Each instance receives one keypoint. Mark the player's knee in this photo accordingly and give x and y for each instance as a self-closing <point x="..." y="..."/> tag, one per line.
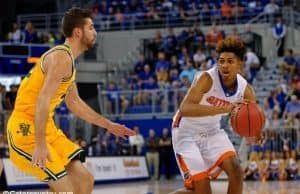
<point x="235" y="171"/>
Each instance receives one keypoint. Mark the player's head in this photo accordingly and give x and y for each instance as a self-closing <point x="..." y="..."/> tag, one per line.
<point x="77" y="24"/>
<point x="231" y="56"/>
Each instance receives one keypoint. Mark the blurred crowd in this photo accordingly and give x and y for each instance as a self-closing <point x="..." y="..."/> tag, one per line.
<point x="170" y="64"/>
<point x="278" y="157"/>
<point x="30" y="35"/>
<point x="180" y="11"/>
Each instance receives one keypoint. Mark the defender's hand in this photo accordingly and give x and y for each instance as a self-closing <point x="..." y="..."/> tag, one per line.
<point x="120" y="130"/>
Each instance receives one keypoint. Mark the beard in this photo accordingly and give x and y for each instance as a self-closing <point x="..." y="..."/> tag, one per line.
<point x="88" y="43"/>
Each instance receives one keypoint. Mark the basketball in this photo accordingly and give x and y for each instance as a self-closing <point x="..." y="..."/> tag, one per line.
<point x="247" y="119"/>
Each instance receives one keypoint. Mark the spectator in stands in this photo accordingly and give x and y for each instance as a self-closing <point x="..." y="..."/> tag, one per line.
<point x="273" y="102"/>
<point x="267" y="111"/>
<point x="292" y="167"/>
<point x="106" y="144"/>
<point x="271" y="8"/>
<point x="252" y="61"/>
<point x="136" y="142"/>
<point x="162" y="68"/>
<point x="173" y="75"/>
<point x="182" y="38"/>
<point x="292" y="106"/>
<point x="182" y="15"/>
<point x="234" y="34"/>
<point x="152" y="15"/>
<point x="288" y="64"/>
<point x="282" y="166"/>
<point x="174" y="63"/>
<point x="150" y="93"/>
<point x="185" y="82"/>
<point x="124" y="85"/>
<point x="274" y="167"/>
<point x="199" y="58"/>
<point x="259" y="7"/>
<point x="193" y="14"/>
<point x="199" y="38"/>
<point x="279" y="32"/>
<point x="138" y="88"/>
<point x="215" y="15"/>
<point x="15" y="34"/>
<point x="140" y="16"/>
<point x="139" y="65"/>
<point x="144" y="75"/>
<point x="264" y="164"/>
<point x="252" y="170"/>
<point x="281" y="97"/>
<point x="291" y="122"/>
<point x="115" y="99"/>
<point x="170" y="43"/>
<point x="205" y="13"/>
<point x="94" y="149"/>
<point x="251" y="4"/>
<point x="248" y="37"/>
<point x="275" y="121"/>
<point x="189" y="71"/>
<point x="174" y="69"/>
<point x="120" y="147"/>
<point x="212" y="38"/>
<point x="29" y="34"/>
<point x="155" y="44"/>
<point x="296" y="90"/>
<point x="237" y="10"/>
<point x="166" y="153"/>
<point x="226" y="11"/>
<point x="120" y="18"/>
<point x="167" y="5"/>
<point x="183" y="56"/>
<point x="283" y="85"/>
<point x="152" y="154"/>
<point x="11" y="96"/>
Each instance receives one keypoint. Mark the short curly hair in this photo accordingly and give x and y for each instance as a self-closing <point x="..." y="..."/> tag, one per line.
<point x="235" y="46"/>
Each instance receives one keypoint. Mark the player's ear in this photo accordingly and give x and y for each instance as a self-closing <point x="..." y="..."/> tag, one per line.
<point x="77" y="32"/>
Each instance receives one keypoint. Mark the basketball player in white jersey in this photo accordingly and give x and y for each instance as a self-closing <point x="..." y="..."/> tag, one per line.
<point x="202" y="149"/>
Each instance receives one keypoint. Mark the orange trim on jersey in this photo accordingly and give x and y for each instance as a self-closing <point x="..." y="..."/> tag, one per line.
<point x="176" y="120"/>
<point x="219" y="161"/>
<point x="188" y="178"/>
<point x="182" y="164"/>
<point x="216" y="174"/>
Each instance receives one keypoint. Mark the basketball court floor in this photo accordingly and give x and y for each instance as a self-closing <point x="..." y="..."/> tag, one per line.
<point x="218" y="187"/>
<point x="165" y="187"/>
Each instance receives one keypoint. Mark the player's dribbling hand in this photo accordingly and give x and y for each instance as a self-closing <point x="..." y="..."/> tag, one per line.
<point x="39" y="156"/>
<point x="120" y="130"/>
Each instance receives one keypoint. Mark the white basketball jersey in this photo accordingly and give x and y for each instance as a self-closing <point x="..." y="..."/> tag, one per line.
<point x="216" y="96"/>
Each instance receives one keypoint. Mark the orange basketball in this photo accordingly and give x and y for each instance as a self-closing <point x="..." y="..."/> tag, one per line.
<point x="247" y="119"/>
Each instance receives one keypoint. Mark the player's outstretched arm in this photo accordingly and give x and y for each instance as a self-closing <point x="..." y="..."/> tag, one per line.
<point x="190" y="106"/>
<point x="83" y="111"/>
